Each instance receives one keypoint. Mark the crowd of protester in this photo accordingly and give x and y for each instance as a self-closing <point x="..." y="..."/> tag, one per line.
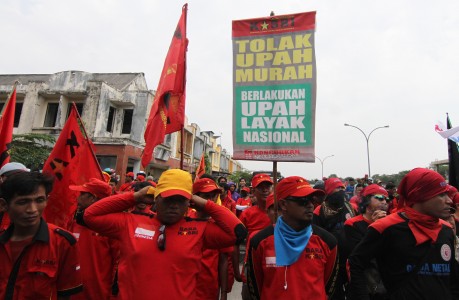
<point x="185" y="238"/>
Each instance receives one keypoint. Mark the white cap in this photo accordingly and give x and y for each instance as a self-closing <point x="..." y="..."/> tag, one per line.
<point x="13" y="166"/>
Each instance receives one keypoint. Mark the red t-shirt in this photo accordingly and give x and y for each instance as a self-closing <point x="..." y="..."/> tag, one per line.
<point x="98" y="259"/>
<point x="254" y="219"/>
<point x="244" y="202"/>
<point x="49" y="266"/>
<point x="144" y="270"/>
<point x="125" y="187"/>
<point x="310" y="277"/>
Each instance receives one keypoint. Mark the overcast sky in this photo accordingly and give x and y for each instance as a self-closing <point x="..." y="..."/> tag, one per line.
<point x="378" y="63"/>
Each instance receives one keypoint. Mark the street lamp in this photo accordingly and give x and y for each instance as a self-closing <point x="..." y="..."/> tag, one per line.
<point x="367" y="138"/>
<point x="322" y="162"/>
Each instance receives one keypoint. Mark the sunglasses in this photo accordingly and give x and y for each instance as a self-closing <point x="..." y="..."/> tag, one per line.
<point x="300" y="201"/>
<point x="162" y="238"/>
<point x="380" y="197"/>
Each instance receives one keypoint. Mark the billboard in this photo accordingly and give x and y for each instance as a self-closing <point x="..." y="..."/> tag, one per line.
<point x="274" y="88"/>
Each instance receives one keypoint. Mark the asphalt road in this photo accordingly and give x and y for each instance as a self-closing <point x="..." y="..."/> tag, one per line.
<point x="235" y="291"/>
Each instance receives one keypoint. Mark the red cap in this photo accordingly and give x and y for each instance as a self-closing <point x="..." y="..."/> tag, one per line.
<point x="140" y="178"/>
<point x="270" y="200"/>
<point x="374" y="189"/>
<point x="246" y="189"/>
<point x="331" y="184"/>
<point x="130" y="174"/>
<point x="259" y="178"/>
<point x="152" y="182"/>
<point x="95" y="186"/>
<point x="204" y="185"/>
<point x="295" y="186"/>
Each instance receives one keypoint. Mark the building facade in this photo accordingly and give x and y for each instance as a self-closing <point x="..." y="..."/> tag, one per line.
<point x="114" y="108"/>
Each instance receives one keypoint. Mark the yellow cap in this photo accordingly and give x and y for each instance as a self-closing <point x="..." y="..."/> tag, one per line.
<point x="174" y="182"/>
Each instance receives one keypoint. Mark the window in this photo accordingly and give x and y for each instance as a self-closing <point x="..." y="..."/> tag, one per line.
<point x="107" y="161"/>
<point x="51" y="115"/>
<point x="111" y="117"/>
<point x="17" y="112"/>
<point x="127" y="121"/>
<point x="187" y="141"/>
<point x="79" y="107"/>
<point x="167" y="140"/>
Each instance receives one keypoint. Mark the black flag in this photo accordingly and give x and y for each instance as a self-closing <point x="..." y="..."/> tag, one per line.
<point x="453" y="156"/>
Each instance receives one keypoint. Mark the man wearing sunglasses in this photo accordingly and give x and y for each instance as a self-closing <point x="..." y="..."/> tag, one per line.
<point x="163" y="253"/>
<point x="373" y="206"/>
<point x="413" y="247"/>
<point x="292" y="259"/>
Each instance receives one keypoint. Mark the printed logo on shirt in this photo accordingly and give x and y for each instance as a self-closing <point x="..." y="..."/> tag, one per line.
<point x="430" y="269"/>
<point x="44" y="262"/>
<point x="270" y="261"/>
<point x="314" y="253"/>
<point x="445" y="252"/>
<point x="144" y="233"/>
<point x="188" y="230"/>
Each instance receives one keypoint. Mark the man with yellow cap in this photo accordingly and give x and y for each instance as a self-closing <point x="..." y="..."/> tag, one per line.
<point x="163" y="253"/>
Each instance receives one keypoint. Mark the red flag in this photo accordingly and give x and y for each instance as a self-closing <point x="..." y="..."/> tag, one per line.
<point x="167" y="113"/>
<point x="6" y="128"/>
<point x="201" y="169"/>
<point x="72" y="162"/>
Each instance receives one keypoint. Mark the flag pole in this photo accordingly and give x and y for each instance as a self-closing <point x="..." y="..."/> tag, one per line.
<point x="182" y="131"/>
<point x="86" y="137"/>
<point x="8" y="98"/>
<point x="274" y="189"/>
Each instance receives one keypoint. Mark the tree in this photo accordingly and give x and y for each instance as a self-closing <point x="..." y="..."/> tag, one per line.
<point x="207" y="162"/>
<point x="240" y="174"/>
<point x="32" y="149"/>
<point x="395" y="178"/>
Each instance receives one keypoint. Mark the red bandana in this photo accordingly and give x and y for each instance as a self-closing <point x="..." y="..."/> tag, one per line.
<point x="423" y="227"/>
<point x="420" y="185"/>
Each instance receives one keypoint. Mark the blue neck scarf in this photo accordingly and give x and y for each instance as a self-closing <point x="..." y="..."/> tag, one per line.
<point x="289" y="243"/>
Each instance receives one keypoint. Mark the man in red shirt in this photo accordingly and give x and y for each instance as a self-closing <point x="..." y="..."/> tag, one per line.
<point x="161" y="256"/>
<point x="142" y="208"/>
<point x="293" y="259"/>
<point x="244" y="201"/>
<point x="214" y="261"/>
<point x="254" y="218"/>
<point x="128" y="181"/>
<point x="37" y="260"/>
<point x="98" y="254"/>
